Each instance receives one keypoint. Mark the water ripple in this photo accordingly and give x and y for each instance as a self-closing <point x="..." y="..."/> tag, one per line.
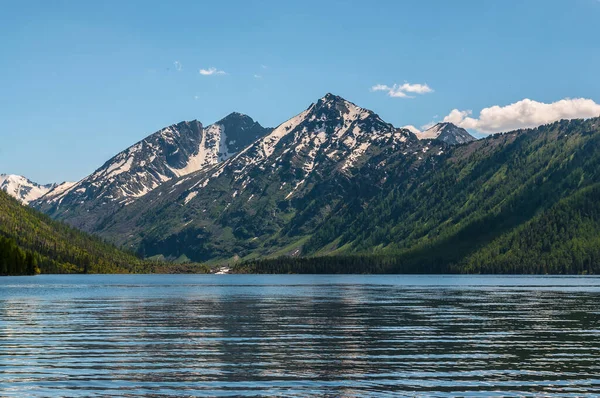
<point x="299" y="336"/>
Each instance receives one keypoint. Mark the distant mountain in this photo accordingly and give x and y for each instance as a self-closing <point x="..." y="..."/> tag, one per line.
<point x="272" y="194"/>
<point x="172" y="152"/>
<point x="446" y="132"/>
<point x="23" y="189"/>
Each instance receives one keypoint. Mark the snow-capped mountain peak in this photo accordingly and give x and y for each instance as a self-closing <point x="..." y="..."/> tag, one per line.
<point x="331" y="118"/>
<point x="174" y="151"/>
<point x="332" y="133"/>
<point x="23" y="189"/>
<point x="446" y="132"/>
<point x="333" y="106"/>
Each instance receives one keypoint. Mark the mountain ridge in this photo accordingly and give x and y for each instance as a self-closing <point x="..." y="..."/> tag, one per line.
<point x="336" y="180"/>
<point x="446" y="132"/>
<point x="174" y="151"/>
<point x="325" y="145"/>
<point x="23" y="189"/>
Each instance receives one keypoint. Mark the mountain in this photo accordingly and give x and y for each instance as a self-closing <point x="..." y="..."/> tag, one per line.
<point x="446" y="132"/>
<point x="31" y="242"/>
<point x="273" y="194"/>
<point x="23" y="189"/>
<point x="337" y="189"/>
<point x="521" y="202"/>
<point x="172" y="152"/>
<point x="55" y="190"/>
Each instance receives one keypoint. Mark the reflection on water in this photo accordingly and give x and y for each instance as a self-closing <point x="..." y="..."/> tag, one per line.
<point x="299" y="335"/>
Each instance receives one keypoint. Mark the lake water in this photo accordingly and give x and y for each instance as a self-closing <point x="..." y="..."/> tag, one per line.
<point x="299" y="335"/>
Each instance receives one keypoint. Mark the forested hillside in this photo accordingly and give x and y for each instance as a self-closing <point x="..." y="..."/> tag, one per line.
<point x="31" y="243"/>
<point x="521" y="202"/>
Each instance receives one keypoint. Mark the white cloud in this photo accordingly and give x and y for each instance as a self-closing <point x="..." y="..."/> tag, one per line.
<point x="524" y="114"/>
<point x="258" y="76"/>
<point x="396" y="93"/>
<point x="456" y="116"/>
<point x="400" y="91"/>
<point x="380" y="87"/>
<point x="178" y="66"/>
<point x="211" y="71"/>
<point x="415" y="88"/>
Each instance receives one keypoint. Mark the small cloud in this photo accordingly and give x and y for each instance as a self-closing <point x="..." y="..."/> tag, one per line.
<point x="258" y="76"/>
<point x="265" y="66"/>
<point x="211" y="71"/>
<point x="395" y="93"/>
<point x="400" y="91"/>
<point x="380" y="87"/>
<point x="526" y="113"/>
<point x="196" y="97"/>
<point x="178" y="66"/>
<point x="415" y="88"/>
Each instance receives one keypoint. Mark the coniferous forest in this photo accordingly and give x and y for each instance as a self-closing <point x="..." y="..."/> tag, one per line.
<point x="31" y="242"/>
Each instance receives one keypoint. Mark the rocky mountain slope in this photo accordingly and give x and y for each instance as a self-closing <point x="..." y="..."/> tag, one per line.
<point x="271" y="195"/>
<point x="172" y="152"/>
<point x="23" y="189"/>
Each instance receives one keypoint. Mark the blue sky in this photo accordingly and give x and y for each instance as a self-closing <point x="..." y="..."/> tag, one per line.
<point x="80" y="81"/>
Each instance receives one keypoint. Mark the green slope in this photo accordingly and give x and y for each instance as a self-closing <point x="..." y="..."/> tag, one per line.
<point x="564" y="239"/>
<point x="31" y="242"/>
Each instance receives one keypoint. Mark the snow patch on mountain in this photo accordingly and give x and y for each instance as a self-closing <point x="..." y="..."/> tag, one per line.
<point x="332" y="131"/>
<point x="59" y="190"/>
<point x="23" y="189"/>
<point x="172" y="152"/>
<point x="268" y="143"/>
<point x="190" y="196"/>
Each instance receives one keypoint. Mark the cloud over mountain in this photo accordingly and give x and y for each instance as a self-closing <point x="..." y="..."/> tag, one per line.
<point x="523" y="114"/>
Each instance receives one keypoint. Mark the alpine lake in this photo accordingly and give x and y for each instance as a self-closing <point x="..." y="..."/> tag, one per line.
<point x="299" y="335"/>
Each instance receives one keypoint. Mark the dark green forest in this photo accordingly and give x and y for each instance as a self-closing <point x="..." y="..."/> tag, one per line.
<point x="31" y="242"/>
